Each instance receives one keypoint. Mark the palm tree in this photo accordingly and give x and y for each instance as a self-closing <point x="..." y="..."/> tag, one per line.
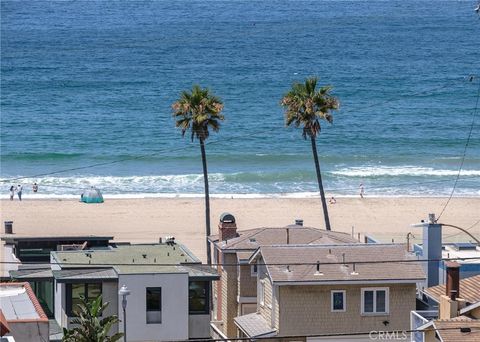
<point x="199" y="111"/>
<point x="91" y="327"/>
<point x="305" y="107"/>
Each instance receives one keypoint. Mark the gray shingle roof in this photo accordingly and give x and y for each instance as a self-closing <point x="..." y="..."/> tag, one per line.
<point x="331" y="259"/>
<point x="254" y="325"/>
<point x="85" y="274"/>
<point x="253" y="238"/>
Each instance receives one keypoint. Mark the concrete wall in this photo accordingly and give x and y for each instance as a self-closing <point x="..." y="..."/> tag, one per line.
<point x="305" y="310"/>
<point x="198" y="326"/>
<point x="29" y="331"/>
<point x="175" y="318"/>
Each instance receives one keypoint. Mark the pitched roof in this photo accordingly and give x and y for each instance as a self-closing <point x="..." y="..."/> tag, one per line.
<point x="469" y="290"/>
<point x="449" y="329"/>
<point x="254" y="325"/>
<point x="69" y="275"/>
<point x="253" y="238"/>
<point x="18" y="303"/>
<point x="297" y="263"/>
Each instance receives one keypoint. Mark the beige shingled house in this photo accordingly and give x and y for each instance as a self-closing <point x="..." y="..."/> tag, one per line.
<point x="331" y="289"/>
<point x="235" y="294"/>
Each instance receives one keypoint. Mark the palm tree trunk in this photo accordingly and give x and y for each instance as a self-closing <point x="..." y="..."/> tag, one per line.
<point x="207" y="200"/>
<point x="320" y="184"/>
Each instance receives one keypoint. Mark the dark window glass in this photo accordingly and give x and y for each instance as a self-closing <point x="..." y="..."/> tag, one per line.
<point x="154" y="305"/>
<point x="75" y="293"/>
<point x="380" y="301"/>
<point x="368" y="301"/>
<point x="198" y="297"/>
<point x="338" y="301"/>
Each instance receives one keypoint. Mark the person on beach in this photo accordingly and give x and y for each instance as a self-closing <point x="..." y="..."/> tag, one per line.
<point x="332" y="200"/>
<point x="362" y="190"/>
<point x="35" y="187"/>
<point x="12" y="192"/>
<point x="19" y="191"/>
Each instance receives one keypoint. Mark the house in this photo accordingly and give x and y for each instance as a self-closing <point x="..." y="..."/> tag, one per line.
<point x="169" y="288"/>
<point x="458" y="311"/>
<point x="313" y="290"/>
<point x="22" y="317"/>
<point x="236" y="292"/>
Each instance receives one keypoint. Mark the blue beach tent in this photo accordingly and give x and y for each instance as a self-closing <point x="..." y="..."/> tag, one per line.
<point x="92" y="195"/>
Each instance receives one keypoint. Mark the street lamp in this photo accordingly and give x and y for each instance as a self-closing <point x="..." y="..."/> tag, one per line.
<point x="124" y="292"/>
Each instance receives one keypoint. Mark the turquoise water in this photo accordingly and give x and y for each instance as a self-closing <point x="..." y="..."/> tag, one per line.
<point x="92" y="82"/>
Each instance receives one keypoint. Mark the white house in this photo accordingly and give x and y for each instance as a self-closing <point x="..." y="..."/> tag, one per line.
<point x="169" y="288"/>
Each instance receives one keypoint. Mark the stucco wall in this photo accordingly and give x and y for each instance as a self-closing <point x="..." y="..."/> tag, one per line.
<point x="199" y="326"/>
<point x="175" y="320"/>
<point x="29" y="331"/>
<point x="307" y="310"/>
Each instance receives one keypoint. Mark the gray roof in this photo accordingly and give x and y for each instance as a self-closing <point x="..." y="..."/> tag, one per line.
<point x="253" y="238"/>
<point x="29" y="273"/>
<point x="254" y="325"/>
<point x="137" y="259"/>
<point x="69" y="275"/>
<point x="17" y="304"/>
<point x="287" y="263"/>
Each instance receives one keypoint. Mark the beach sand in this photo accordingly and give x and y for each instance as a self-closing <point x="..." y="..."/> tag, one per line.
<point x="145" y="220"/>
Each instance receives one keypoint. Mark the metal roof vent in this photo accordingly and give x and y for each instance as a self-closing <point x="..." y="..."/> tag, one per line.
<point x="227" y="218"/>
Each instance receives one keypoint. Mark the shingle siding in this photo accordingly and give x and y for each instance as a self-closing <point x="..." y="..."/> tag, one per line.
<point x="247" y="286"/>
<point x="306" y="310"/>
<point x="229" y="294"/>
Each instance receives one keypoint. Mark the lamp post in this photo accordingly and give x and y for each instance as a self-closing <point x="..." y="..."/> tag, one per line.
<point x="124" y="292"/>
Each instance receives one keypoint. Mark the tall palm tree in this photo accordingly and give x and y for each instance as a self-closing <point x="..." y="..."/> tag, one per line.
<point x="305" y="107"/>
<point x="91" y="327"/>
<point x="198" y="111"/>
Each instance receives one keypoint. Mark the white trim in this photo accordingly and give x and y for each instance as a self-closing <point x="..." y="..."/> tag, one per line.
<point x="340" y="282"/>
<point x="344" y="301"/>
<point x="261" y="292"/>
<point x="246" y="300"/>
<point x="374" y="290"/>
<point x="470" y="308"/>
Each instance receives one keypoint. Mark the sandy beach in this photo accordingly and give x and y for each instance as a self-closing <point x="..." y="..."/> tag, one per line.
<point x="144" y="220"/>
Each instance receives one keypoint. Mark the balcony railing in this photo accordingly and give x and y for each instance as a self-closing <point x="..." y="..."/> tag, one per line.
<point x="419" y="318"/>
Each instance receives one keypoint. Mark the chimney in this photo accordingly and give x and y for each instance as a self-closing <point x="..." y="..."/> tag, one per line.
<point x="449" y="302"/>
<point x="453" y="280"/>
<point x="299" y="222"/>
<point x="227" y="228"/>
<point x="432" y="250"/>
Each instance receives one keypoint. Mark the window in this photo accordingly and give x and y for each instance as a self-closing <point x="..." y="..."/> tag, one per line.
<point x="154" y="305"/>
<point x="253" y="270"/>
<point x="261" y="292"/>
<point x="375" y="300"/>
<point x="338" y="301"/>
<point x="76" y="292"/>
<point x="198" y="294"/>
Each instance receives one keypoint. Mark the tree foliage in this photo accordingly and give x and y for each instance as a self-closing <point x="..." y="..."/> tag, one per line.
<point x="90" y="326"/>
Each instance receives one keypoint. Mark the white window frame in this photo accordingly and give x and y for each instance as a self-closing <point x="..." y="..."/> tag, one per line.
<point x="375" y="312"/>
<point x="253" y="273"/>
<point x="344" y="295"/>
<point x="261" y="292"/>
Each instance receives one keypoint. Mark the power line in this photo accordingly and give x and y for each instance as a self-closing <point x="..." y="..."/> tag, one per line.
<point x="347" y="262"/>
<point x="464" y="153"/>
<point x="207" y="143"/>
<point x="464" y="329"/>
<point x="467" y="229"/>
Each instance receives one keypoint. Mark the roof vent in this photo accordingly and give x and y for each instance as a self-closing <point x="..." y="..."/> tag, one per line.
<point x="299" y="222"/>
<point x="318" y="273"/>
<point x="253" y="240"/>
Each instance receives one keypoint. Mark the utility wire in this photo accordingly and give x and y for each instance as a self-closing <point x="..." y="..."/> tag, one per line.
<point x="464" y="153"/>
<point x="207" y="143"/>
<point x="470" y="328"/>
<point x="467" y="229"/>
<point x="347" y="262"/>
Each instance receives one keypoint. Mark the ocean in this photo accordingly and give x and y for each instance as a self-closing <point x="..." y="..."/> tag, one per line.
<point x="86" y="90"/>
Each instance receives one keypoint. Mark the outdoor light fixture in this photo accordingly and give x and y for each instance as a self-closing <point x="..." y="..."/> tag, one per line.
<point x="124" y="292"/>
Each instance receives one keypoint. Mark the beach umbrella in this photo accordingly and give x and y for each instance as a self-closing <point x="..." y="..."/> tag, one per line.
<point x="92" y="195"/>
